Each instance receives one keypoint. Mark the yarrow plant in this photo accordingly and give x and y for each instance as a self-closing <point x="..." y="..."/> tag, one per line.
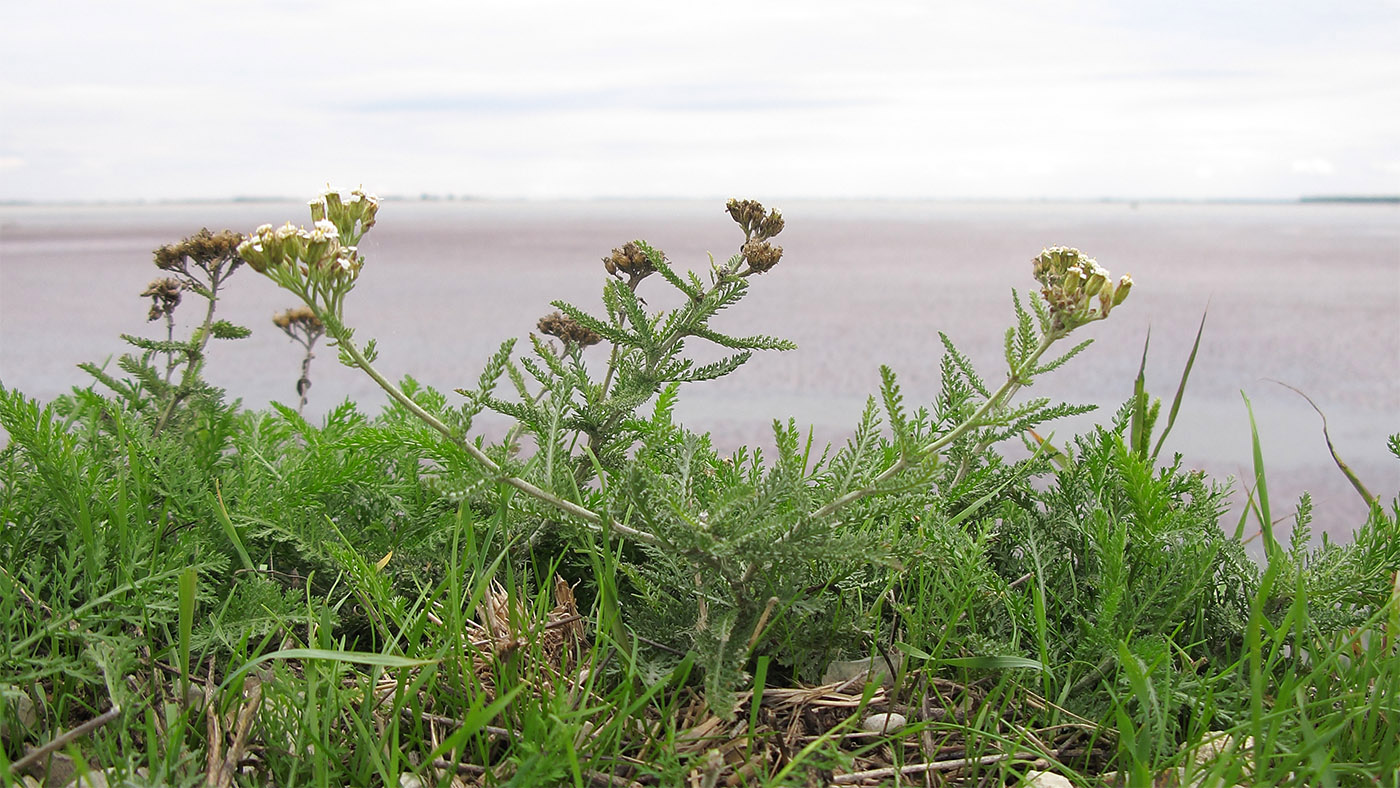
<point x="635" y="477"/>
<point x="200" y="264"/>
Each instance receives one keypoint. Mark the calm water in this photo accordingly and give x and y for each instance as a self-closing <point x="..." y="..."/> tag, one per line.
<point x="1304" y="294"/>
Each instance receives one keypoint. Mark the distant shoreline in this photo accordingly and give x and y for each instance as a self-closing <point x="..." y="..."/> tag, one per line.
<point x="1389" y="199"/>
<point x="1358" y="199"/>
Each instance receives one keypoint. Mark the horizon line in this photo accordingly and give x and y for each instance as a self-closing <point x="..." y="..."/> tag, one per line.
<point x="454" y="197"/>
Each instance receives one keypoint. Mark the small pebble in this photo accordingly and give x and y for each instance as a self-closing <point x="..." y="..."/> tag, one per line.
<point x="93" y="779"/>
<point x="884" y="723"/>
<point x="1036" y="779"/>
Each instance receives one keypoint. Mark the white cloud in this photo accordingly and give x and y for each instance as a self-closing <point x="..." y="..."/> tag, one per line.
<point x="1014" y="98"/>
<point x="1314" y="166"/>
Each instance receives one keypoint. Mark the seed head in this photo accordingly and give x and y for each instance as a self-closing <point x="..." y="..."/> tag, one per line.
<point x="165" y="296"/>
<point x="757" y="223"/>
<point x="209" y="251"/>
<point x="298" y="317"/>
<point x="761" y="256"/>
<point x="629" y="260"/>
<point x="557" y="324"/>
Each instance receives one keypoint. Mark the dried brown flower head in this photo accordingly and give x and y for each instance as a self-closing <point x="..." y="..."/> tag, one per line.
<point x="557" y="324"/>
<point x="758" y="223"/>
<point x="209" y="251"/>
<point x="761" y="256"/>
<point x="165" y="296"/>
<point x="629" y="260"/>
<point x="298" y="317"/>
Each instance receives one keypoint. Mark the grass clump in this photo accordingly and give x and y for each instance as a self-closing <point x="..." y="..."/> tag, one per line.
<point x="199" y="593"/>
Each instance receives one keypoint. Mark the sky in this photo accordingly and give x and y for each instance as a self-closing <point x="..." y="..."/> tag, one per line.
<point x="1022" y="99"/>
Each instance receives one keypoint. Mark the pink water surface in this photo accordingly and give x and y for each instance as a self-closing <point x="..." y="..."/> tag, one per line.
<point x="1306" y="294"/>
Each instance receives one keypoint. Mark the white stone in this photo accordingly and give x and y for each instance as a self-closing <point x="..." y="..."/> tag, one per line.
<point x="872" y="669"/>
<point x="1037" y="779"/>
<point x="93" y="779"/>
<point x="24" y="712"/>
<point x="890" y="722"/>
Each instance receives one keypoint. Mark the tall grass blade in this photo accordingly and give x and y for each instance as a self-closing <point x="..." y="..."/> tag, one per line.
<point x="1371" y="500"/>
<point x="189" y="580"/>
<point x="1137" y="431"/>
<point x="1261" y="488"/>
<point x="229" y="530"/>
<point x="1181" y="387"/>
<point x="332" y="655"/>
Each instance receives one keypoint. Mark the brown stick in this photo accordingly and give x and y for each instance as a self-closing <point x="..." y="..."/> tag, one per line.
<point x="240" y="739"/>
<point x="60" y="741"/>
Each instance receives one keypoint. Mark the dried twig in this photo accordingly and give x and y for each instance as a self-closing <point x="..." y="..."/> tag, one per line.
<point x="933" y="766"/>
<point x="60" y="741"/>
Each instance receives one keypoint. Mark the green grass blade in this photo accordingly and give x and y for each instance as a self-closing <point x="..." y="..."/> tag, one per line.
<point x="474" y="720"/>
<point x="332" y="655"/>
<point x="229" y="529"/>
<point x="1181" y="387"/>
<point x="1261" y="487"/>
<point x="189" y="580"/>
<point x="980" y="502"/>
<point x="1137" y="431"/>
<point x="1366" y="495"/>
<point x="997" y="662"/>
<point x="760" y="678"/>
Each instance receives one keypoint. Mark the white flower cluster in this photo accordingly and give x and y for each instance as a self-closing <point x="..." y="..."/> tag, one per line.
<point x="1070" y="281"/>
<point x="351" y="215"/>
<point x="328" y="249"/>
<point x="291" y="249"/>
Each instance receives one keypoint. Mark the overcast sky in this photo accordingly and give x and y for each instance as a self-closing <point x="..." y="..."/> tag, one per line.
<point x="815" y="98"/>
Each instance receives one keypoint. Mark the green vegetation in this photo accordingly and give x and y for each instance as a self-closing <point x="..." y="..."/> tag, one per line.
<point x="197" y="593"/>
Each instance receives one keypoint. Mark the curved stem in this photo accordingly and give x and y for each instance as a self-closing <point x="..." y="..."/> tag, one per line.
<point x="490" y="465"/>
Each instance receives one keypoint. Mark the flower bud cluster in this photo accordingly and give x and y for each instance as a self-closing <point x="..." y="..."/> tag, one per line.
<point x="1071" y="283"/>
<point x="209" y="251"/>
<point x="758" y="225"/>
<point x="557" y="324"/>
<point x="629" y="260"/>
<point x="165" y="296"/>
<point x="352" y="216"/>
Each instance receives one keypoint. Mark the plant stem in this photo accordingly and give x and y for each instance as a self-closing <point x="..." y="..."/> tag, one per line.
<point x="191" y="367"/>
<point x="304" y="384"/>
<point x="495" y="470"/>
<point x="169" y="354"/>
